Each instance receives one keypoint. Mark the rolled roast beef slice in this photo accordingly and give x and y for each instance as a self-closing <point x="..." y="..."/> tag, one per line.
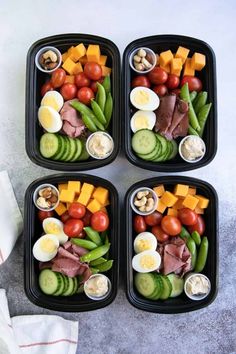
<point x="66" y="254"/>
<point x="80" y="251"/>
<point x="67" y="266"/>
<point x="175" y="250"/>
<point x="70" y="114"/>
<point x="171" y="263"/>
<point x="164" y="113"/>
<point x="182" y="127"/>
<point x="68" y="129"/>
<point x="181" y="108"/>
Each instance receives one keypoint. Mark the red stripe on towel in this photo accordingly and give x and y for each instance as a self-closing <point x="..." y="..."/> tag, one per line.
<point x="1" y="256"/>
<point x="47" y="343"/>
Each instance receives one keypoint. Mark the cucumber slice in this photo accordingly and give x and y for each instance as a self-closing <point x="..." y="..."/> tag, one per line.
<point x="167" y="288"/>
<point x="163" y="141"/>
<point x="145" y="283"/>
<point x="152" y="154"/>
<point x="61" y="289"/>
<point x="174" y="150"/>
<point x="73" y="149"/>
<point x="49" y="145"/>
<point x="177" y="285"/>
<point x="143" y="141"/>
<point x="66" y="149"/>
<point x="61" y="151"/>
<point x="49" y="281"/>
<point x="66" y="282"/>
<point x="78" y="150"/>
<point x="70" y="289"/>
<point x="159" y="288"/>
<point x="75" y="280"/>
<point x="84" y="153"/>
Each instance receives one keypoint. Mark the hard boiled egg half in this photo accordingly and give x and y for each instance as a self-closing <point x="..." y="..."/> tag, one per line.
<point x="143" y="120"/>
<point x="50" y="119"/>
<point x="55" y="227"/>
<point x="53" y="99"/>
<point x="145" y="241"/>
<point x="144" y="99"/>
<point x="45" y="248"/>
<point x="146" y="261"/>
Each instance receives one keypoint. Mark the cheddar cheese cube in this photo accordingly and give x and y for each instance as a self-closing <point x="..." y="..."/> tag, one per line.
<point x="181" y="190"/>
<point x="168" y="199"/>
<point x="166" y="68"/>
<point x="86" y="193"/>
<point x="70" y="50"/>
<point x="65" y="56"/>
<point x="199" y="210"/>
<point x="203" y="202"/>
<point x="101" y="194"/>
<point x="166" y="57"/>
<point x="179" y="204"/>
<point x="94" y="206"/>
<point x="87" y="188"/>
<point x="198" y="61"/>
<point x="78" y="68"/>
<point x="172" y="212"/>
<point x="83" y="60"/>
<point x="176" y="66"/>
<point x="105" y="70"/>
<point x="192" y="190"/>
<point x="93" y="53"/>
<point x="74" y="186"/>
<point x="62" y="186"/>
<point x="60" y="209"/>
<point x="103" y="60"/>
<point x="190" y="202"/>
<point x="160" y="206"/>
<point x="66" y="196"/>
<point x="188" y="70"/>
<point x="70" y="79"/>
<point x="159" y="190"/>
<point x="69" y="66"/>
<point x="182" y="53"/>
<point x="78" y="52"/>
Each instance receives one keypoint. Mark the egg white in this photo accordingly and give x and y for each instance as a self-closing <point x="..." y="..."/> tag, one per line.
<point x="40" y="253"/>
<point x="50" y="119"/>
<point x="145" y="241"/>
<point x="55" y="227"/>
<point x="144" y="99"/>
<point x="146" y="261"/>
<point x="142" y="120"/>
<point x="53" y="99"/>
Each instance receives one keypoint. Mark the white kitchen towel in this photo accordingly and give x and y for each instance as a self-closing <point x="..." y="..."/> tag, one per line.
<point x="35" y="334"/>
<point x="10" y="217"/>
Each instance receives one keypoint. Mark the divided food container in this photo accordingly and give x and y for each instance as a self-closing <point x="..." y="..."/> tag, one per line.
<point x="34" y="81"/>
<point x="33" y="230"/>
<point x="181" y="303"/>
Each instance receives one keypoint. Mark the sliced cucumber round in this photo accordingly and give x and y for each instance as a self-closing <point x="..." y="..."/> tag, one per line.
<point x="143" y="141"/>
<point x="61" y="151"/>
<point x="78" y="150"/>
<point x="49" y="145"/>
<point x="145" y="283"/>
<point x="49" y="281"/>
<point x="174" y="150"/>
<point x="167" y="288"/>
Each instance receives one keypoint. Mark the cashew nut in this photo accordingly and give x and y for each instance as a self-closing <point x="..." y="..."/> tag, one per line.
<point x="139" y="66"/>
<point x="142" y="53"/>
<point x="149" y="204"/>
<point x="142" y="194"/>
<point x="137" y="59"/>
<point x="140" y="202"/>
<point x="142" y="208"/>
<point x="51" y="55"/>
<point x="146" y="63"/>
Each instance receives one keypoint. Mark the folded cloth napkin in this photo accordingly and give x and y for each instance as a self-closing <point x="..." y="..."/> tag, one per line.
<point x="36" y="334"/>
<point x="10" y="217"/>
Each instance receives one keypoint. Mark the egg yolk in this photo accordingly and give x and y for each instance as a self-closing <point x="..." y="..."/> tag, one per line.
<point x="47" y="245"/>
<point x="141" y="121"/>
<point x="46" y="119"/>
<point x="51" y="102"/>
<point x="141" y="97"/>
<point x="147" y="262"/>
<point x="143" y="245"/>
<point x="52" y="228"/>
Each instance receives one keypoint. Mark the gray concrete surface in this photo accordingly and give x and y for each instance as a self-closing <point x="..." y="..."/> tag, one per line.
<point x="120" y="328"/>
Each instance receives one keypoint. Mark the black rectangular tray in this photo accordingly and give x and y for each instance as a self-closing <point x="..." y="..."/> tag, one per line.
<point x="181" y="303"/>
<point x="33" y="230"/>
<point x="36" y="78"/>
<point x="207" y="75"/>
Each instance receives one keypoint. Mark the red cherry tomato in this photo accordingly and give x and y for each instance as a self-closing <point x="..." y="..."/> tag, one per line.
<point x="153" y="219"/>
<point x="172" y="81"/>
<point x="73" y="227"/>
<point x="77" y="210"/>
<point x="141" y="80"/>
<point x="93" y="71"/>
<point x="139" y="224"/>
<point x="85" y="94"/>
<point x="171" y="225"/>
<point x="81" y="80"/>
<point x="187" y="216"/>
<point x="68" y="91"/>
<point x="99" y="221"/>
<point x="194" y="84"/>
<point x="160" y="90"/>
<point x="94" y="86"/>
<point x="45" y="214"/>
<point x="65" y="216"/>
<point x="160" y="235"/>
<point x="46" y="87"/>
<point x="157" y="76"/>
<point x="199" y="226"/>
<point x="82" y="234"/>
<point x="86" y="218"/>
<point x="58" y="78"/>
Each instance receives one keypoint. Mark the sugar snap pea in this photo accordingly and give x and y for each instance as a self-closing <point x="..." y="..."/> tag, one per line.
<point x="98" y="112"/>
<point x="202" y="117"/>
<point x="101" y="96"/>
<point x="193" y="95"/>
<point x="94" y="270"/>
<point x="107" y="84"/>
<point x="96" y="253"/>
<point x="104" y="267"/>
<point x="200" y="102"/>
<point x="103" y="236"/>
<point x="192" y="131"/>
<point x="82" y="108"/>
<point x="108" y="109"/>
<point x="184" y="94"/>
<point x="106" y="242"/>
<point x="93" y="235"/>
<point x="193" y="250"/>
<point x="89" y="123"/>
<point x="184" y="234"/>
<point x="98" y="261"/>
<point x="202" y="255"/>
<point x="196" y="237"/>
<point x="89" y="245"/>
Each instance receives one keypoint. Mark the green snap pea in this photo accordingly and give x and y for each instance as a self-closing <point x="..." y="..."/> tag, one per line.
<point x="201" y="101"/>
<point x="193" y="250"/>
<point x="107" y="84"/>
<point x="98" y="261"/>
<point x="104" y="267"/>
<point x="184" y="234"/>
<point x="101" y="96"/>
<point x="98" y="112"/>
<point x="89" y="245"/>
<point x="82" y="108"/>
<point x="196" y="238"/>
<point x="193" y="95"/>
<point x="192" y="131"/>
<point x="108" y="109"/>
<point x="184" y="94"/>
<point x="89" y="123"/>
<point x="94" y="270"/>
<point x="106" y="242"/>
<point x="202" y="117"/>
<point x="202" y="255"/>
<point x="103" y="236"/>
<point x="93" y="235"/>
<point x="95" y="254"/>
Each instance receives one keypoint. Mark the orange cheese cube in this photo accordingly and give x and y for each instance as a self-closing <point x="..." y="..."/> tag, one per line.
<point x="70" y="79"/>
<point x="66" y="196"/>
<point x="181" y="190"/>
<point x="105" y="70"/>
<point x="87" y="188"/>
<point x="94" y="206"/>
<point x="60" y="209"/>
<point x="176" y="66"/>
<point x="199" y="210"/>
<point x="198" y="61"/>
<point x="83" y="199"/>
<point x="69" y="66"/>
<point x="62" y="186"/>
<point x="78" y="52"/>
<point x="203" y="202"/>
<point x="166" y="57"/>
<point x="103" y="60"/>
<point x="101" y="195"/>
<point x="83" y="60"/>
<point x="168" y="199"/>
<point x="166" y="68"/>
<point x="159" y="190"/>
<point x="86" y="193"/>
<point x="182" y="53"/>
<point x="192" y="190"/>
<point x="160" y="206"/>
<point x="93" y="53"/>
<point x="188" y="70"/>
<point x="190" y="202"/>
<point x="65" y="56"/>
<point x="70" y="50"/>
<point x="172" y="212"/>
<point x="179" y="204"/>
<point x="74" y="186"/>
<point x="78" y="68"/>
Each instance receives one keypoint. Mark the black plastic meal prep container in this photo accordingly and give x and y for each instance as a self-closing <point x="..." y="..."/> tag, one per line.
<point x="159" y="44"/>
<point x="34" y="81"/>
<point x="181" y="303"/>
<point x="33" y="230"/>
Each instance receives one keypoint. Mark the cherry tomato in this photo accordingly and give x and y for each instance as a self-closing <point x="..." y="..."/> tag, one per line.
<point x="199" y="226"/>
<point x="160" y="90"/>
<point x="82" y="234"/>
<point x="58" y="78"/>
<point x="46" y="87"/>
<point x="99" y="221"/>
<point x="153" y="219"/>
<point x="68" y="91"/>
<point x="158" y="76"/>
<point x="65" y="216"/>
<point x="93" y="71"/>
<point x="172" y="81"/>
<point x="81" y="80"/>
<point x="160" y="235"/>
<point x="194" y="84"/>
<point x="171" y="225"/>
<point x="141" y="80"/>
<point x="73" y="227"/>
<point x="139" y="224"/>
<point x="77" y="210"/>
<point x="85" y="94"/>
<point x="94" y="86"/>
<point x="187" y="216"/>
<point x="86" y="218"/>
<point x="45" y="214"/>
